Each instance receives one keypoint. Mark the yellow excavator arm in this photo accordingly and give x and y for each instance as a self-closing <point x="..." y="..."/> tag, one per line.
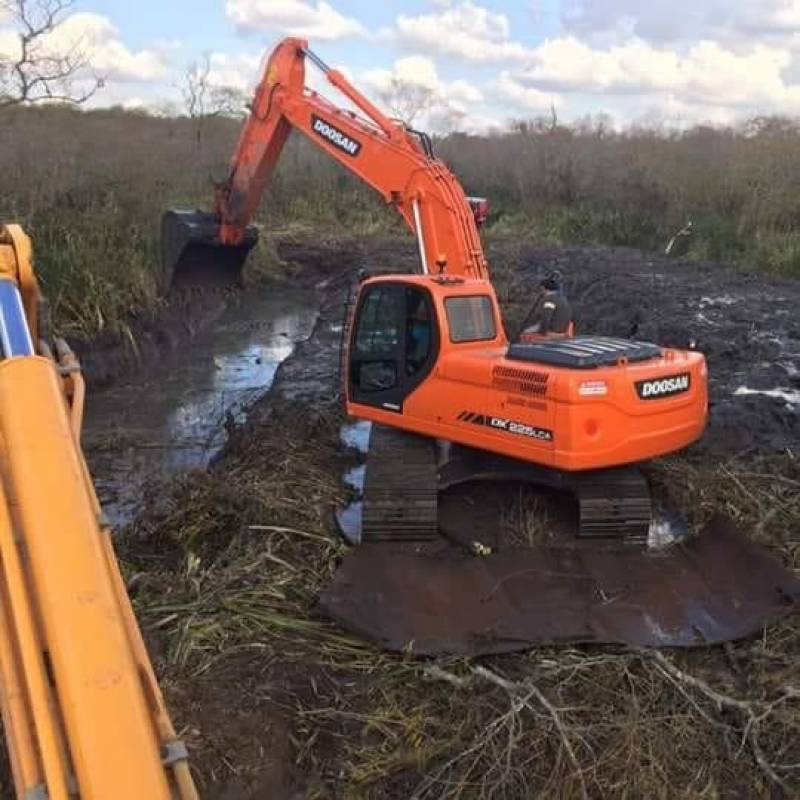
<point x="82" y="711"/>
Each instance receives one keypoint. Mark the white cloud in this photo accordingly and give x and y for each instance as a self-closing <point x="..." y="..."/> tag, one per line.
<point x="481" y="125"/>
<point x="240" y="71"/>
<point x="673" y="113"/>
<point x="525" y="97"/>
<point x="412" y="89"/>
<point x="466" y="30"/>
<point x="464" y="92"/>
<point x="726" y="22"/>
<point x="95" y="40"/>
<point x="414" y="70"/>
<point x="100" y="41"/>
<point x="314" y="20"/>
<point x="706" y="73"/>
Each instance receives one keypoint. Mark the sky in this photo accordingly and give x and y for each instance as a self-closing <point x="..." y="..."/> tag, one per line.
<point x="479" y="64"/>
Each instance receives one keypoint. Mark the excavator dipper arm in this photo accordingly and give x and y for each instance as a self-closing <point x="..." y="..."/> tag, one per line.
<point x="395" y="161"/>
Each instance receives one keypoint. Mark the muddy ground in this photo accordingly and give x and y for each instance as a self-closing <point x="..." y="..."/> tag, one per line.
<point x="225" y="565"/>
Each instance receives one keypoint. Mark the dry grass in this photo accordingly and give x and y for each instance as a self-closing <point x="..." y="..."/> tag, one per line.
<point x="225" y="575"/>
<point x="761" y="493"/>
<point x="526" y="521"/>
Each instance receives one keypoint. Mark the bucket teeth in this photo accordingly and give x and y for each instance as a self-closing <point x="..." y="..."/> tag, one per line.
<point x="193" y="256"/>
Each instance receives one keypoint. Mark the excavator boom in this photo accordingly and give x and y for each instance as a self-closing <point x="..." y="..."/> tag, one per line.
<point x="211" y="248"/>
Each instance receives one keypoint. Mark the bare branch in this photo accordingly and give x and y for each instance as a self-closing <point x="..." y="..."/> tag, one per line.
<point x="195" y="87"/>
<point x="515" y="689"/>
<point x="37" y="72"/>
<point x="406" y="100"/>
<point x="203" y="98"/>
<point x="754" y="712"/>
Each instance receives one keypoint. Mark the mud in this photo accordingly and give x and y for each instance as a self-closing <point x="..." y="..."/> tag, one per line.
<point x="145" y="339"/>
<point x="746" y="324"/>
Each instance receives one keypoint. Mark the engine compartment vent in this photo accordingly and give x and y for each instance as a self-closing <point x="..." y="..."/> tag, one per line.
<point x="520" y="381"/>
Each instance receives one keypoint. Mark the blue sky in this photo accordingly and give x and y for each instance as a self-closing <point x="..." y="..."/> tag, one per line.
<point x="477" y="63"/>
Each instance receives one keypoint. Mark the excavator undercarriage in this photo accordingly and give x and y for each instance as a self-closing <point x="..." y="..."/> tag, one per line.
<point x="406" y="474"/>
<point x="439" y="570"/>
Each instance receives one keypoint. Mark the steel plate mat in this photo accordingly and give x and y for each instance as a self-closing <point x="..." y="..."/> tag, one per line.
<point x="718" y="586"/>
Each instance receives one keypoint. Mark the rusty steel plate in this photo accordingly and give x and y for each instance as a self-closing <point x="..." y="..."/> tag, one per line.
<point x="716" y="587"/>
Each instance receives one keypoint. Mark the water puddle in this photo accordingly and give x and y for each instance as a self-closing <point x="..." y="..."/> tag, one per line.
<point x="174" y="416"/>
<point x="791" y="397"/>
<point x="666" y="528"/>
<point x="721" y="300"/>
<point x="354" y="435"/>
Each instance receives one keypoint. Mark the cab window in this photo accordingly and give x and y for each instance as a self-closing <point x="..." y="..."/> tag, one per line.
<point x="394" y="338"/>
<point x="380" y="322"/>
<point x="470" y="319"/>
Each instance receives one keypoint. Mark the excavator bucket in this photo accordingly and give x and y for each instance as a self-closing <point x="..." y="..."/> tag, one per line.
<point x="439" y="599"/>
<point x="192" y="254"/>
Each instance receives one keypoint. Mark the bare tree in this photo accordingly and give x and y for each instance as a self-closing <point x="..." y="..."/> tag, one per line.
<point x="196" y="86"/>
<point x="37" y="71"/>
<point x="406" y="99"/>
<point x="203" y="98"/>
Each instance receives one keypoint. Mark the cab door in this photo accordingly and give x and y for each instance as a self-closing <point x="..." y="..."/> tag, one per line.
<point x="393" y="345"/>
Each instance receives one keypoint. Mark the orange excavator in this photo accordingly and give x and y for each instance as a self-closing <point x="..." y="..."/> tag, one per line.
<point x="427" y="360"/>
<point x="82" y="711"/>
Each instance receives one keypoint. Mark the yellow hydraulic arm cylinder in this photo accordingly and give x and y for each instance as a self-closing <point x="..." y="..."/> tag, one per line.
<point x="82" y="712"/>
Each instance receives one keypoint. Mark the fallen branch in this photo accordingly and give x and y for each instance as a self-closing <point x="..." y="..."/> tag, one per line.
<point x="753" y="711"/>
<point x="516" y="690"/>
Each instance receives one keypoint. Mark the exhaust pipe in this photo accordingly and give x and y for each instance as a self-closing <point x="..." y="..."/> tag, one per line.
<point x="192" y="255"/>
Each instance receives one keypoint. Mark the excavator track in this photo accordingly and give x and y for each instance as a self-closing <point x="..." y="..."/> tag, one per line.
<point x="402" y="483"/>
<point x="400" y="488"/>
<point x="614" y="503"/>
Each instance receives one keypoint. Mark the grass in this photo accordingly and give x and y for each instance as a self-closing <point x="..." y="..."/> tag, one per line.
<point x="526" y="522"/>
<point x="225" y="572"/>
<point x="760" y="493"/>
